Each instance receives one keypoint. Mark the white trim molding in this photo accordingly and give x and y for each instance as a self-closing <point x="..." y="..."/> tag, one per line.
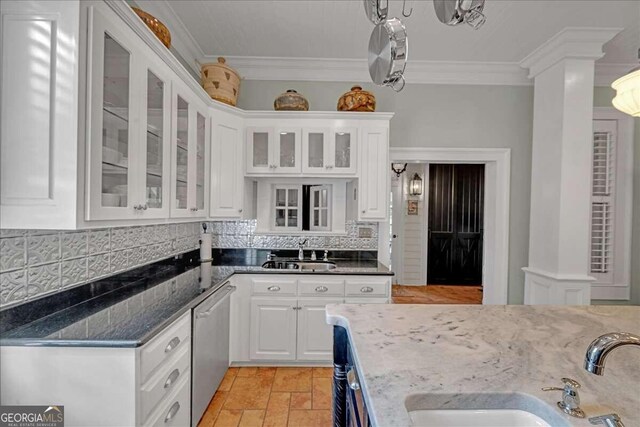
<point x="571" y="42"/>
<point x="497" y="161"/>
<point x="543" y="287"/>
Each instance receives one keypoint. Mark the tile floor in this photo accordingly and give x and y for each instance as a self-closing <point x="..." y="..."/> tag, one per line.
<point x="436" y="294"/>
<point x="269" y="396"/>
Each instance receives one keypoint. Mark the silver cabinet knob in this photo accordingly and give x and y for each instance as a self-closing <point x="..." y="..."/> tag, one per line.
<point x="321" y="289"/>
<point x="366" y="289"/>
<point x="172" y="344"/>
<point x="171" y="379"/>
<point x="240" y="210"/>
<point x="273" y="288"/>
<point x="145" y="207"/>
<point x="172" y="412"/>
<point x="364" y="211"/>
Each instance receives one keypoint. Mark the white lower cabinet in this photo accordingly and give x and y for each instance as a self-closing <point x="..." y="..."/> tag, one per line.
<point x="315" y="336"/>
<point x="273" y="328"/>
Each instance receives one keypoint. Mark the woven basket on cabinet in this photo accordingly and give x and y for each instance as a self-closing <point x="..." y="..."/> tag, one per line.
<point x="221" y="81"/>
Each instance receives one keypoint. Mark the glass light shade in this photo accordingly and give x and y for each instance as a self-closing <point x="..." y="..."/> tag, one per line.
<point x="415" y="185"/>
<point x="627" y="97"/>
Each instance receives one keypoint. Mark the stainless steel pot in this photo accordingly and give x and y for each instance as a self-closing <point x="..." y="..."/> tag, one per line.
<point x="453" y="12"/>
<point x="374" y="10"/>
<point x="388" y="47"/>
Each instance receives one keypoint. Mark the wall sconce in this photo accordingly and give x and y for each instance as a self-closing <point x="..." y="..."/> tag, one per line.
<point x="415" y="185"/>
<point x="398" y="168"/>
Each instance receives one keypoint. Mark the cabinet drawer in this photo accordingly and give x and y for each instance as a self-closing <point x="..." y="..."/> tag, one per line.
<point x="321" y="287"/>
<point x="165" y="345"/>
<point x="175" y="410"/>
<point x="275" y="287"/>
<point x="164" y="381"/>
<point x="369" y="287"/>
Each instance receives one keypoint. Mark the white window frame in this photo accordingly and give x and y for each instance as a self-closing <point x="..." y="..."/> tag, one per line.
<point x="615" y="284"/>
<point x="286" y="208"/>
<point x="328" y="208"/>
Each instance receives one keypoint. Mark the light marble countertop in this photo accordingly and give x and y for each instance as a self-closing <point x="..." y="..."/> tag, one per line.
<point x="452" y="352"/>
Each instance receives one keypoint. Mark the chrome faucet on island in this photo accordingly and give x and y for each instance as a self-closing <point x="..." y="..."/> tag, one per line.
<point x="600" y="348"/>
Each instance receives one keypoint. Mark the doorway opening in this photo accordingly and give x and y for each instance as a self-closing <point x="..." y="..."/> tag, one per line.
<point x="438" y="233"/>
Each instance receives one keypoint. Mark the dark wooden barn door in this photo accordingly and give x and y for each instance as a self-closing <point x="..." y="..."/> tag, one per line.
<point x="456" y="206"/>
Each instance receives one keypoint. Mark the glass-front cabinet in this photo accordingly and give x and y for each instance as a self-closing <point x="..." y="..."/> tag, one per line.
<point x="189" y="154"/>
<point x="329" y="152"/>
<point x="273" y="151"/>
<point x="128" y="138"/>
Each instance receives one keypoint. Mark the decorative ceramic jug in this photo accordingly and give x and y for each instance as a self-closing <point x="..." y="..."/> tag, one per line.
<point x="357" y="99"/>
<point x="291" y="101"/>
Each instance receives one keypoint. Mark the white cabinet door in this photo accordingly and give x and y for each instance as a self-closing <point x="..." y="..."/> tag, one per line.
<point x="227" y="174"/>
<point x="315" y="336"/>
<point x="315" y="150"/>
<point x="287" y="151"/>
<point x="260" y="146"/>
<point x="342" y="156"/>
<point x="189" y="148"/>
<point x="113" y="118"/>
<point x="273" y="329"/>
<point x="373" y="186"/>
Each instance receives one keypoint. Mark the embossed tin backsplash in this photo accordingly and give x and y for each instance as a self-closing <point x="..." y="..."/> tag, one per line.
<point x="242" y="234"/>
<point x="34" y="263"/>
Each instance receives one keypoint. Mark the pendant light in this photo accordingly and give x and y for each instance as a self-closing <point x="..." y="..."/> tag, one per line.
<point x="627" y="88"/>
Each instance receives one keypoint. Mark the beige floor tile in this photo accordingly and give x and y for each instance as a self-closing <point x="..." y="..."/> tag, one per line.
<point x="300" y="400"/>
<point x="323" y="372"/>
<point x="228" y="418"/>
<point x="249" y="393"/>
<point x="210" y="415"/>
<point x="247" y="371"/>
<point x="227" y="380"/>
<point x="277" y="410"/>
<point x="322" y="393"/>
<point x="292" y="379"/>
<point x="310" y="418"/>
<point x="266" y="372"/>
<point x="252" y="418"/>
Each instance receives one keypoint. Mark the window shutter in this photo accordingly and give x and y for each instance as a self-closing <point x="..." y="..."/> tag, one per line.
<point x="602" y="201"/>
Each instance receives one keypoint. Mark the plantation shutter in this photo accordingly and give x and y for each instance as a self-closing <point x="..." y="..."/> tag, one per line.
<point x="603" y="200"/>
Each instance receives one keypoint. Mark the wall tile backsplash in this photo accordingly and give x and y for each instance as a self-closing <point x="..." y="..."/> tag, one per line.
<point x="34" y="263"/>
<point x="242" y="234"/>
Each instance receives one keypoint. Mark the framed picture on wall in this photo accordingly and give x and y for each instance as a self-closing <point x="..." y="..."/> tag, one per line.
<point x="412" y="207"/>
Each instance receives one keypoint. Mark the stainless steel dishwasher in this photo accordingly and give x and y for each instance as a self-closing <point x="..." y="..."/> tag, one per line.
<point x="210" y="348"/>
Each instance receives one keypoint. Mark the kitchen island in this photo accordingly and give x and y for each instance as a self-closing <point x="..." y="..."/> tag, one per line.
<point x="413" y="357"/>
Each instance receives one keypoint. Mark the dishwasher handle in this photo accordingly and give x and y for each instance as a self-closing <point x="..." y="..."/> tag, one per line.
<point x="227" y="292"/>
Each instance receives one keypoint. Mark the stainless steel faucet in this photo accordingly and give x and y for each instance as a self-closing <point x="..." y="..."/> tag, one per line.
<point x="570" y="403"/>
<point x="609" y="420"/>
<point x="300" y="251"/>
<point x="600" y="348"/>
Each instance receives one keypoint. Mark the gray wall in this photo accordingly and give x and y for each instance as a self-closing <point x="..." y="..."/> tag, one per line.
<point x="443" y="116"/>
<point x="602" y="98"/>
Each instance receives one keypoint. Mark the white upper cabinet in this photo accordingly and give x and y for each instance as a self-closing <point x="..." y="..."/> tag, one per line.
<point x="128" y="131"/>
<point x="273" y="151"/>
<point x="227" y="172"/>
<point x="315" y="150"/>
<point x="342" y="157"/>
<point x="373" y="184"/>
<point x="189" y="150"/>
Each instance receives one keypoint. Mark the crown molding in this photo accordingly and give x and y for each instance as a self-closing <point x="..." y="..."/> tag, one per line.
<point x="571" y="42"/>
<point x="354" y="70"/>
<point x="181" y="39"/>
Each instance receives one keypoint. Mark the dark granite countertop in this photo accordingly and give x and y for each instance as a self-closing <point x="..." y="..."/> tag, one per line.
<point x="129" y="309"/>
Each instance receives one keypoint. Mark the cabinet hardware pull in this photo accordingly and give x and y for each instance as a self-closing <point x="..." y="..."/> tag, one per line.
<point x="172" y="344"/>
<point x="173" y="376"/>
<point x="172" y="412"/>
<point x="240" y="210"/>
<point x="145" y="207"/>
<point x="351" y="379"/>
<point x="273" y="288"/>
<point x="321" y="289"/>
<point x="363" y="211"/>
<point x="366" y="289"/>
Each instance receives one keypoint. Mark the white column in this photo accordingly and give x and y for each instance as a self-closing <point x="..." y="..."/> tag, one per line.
<point x="563" y="69"/>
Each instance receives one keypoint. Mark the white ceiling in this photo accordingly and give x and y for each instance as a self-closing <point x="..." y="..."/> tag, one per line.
<point x="339" y="28"/>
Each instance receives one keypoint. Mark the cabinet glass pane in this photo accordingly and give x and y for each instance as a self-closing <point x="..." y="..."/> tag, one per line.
<point x="292" y="218"/>
<point x="155" y="114"/>
<point x="316" y="150"/>
<point x="260" y="149"/>
<point x="343" y="150"/>
<point x="281" y="197"/>
<point x="293" y="198"/>
<point x="287" y="149"/>
<point x="115" y="124"/>
<point x="182" y="150"/>
<point x="280" y="218"/>
<point x="201" y="123"/>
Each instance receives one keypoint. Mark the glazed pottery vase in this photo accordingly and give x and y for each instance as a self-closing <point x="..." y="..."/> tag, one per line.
<point x="291" y="101"/>
<point x="159" y="29"/>
<point x="357" y="99"/>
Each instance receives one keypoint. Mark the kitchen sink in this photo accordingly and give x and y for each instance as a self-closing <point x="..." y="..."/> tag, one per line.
<point x="481" y="410"/>
<point x="476" y="418"/>
<point x="299" y="265"/>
